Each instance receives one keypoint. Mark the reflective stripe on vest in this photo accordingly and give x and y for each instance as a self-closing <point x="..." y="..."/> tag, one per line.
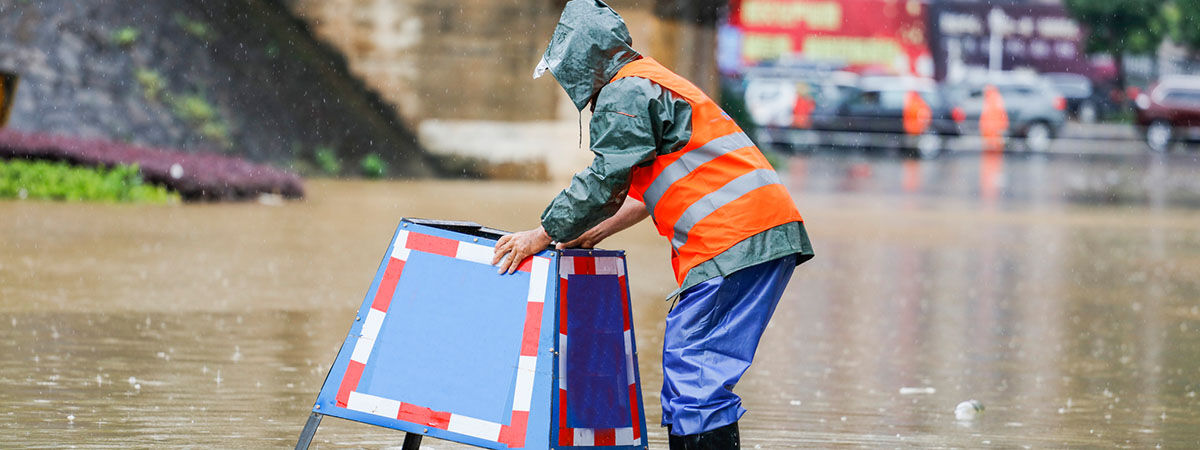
<point x="712" y="202"/>
<point x="691" y="160"/>
<point x="714" y="192"/>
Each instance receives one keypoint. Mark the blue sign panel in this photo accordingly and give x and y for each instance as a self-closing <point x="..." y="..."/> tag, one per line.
<point x="446" y="347"/>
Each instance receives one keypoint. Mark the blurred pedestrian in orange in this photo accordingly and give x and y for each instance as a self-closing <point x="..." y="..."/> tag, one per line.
<point x="993" y="120"/>
<point x="802" y="111"/>
<point x="917" y="114"/>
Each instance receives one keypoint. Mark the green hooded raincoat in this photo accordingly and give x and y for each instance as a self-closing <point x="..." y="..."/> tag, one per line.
<point x="634" y="120"/>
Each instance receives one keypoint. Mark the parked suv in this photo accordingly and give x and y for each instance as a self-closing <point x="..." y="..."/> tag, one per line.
<point x="1084" y="102"/>
<point x="1036" y="111"/>
<point x="1170" y="112"/>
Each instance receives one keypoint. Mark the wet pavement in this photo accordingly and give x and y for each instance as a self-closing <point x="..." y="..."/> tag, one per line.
<point x="1061" y="291"/>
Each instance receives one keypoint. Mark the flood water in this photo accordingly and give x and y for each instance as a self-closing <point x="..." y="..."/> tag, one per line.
<point x="1061" y="292"/>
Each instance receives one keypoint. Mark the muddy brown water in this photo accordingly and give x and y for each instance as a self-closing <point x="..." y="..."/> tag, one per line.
<point x="1063" y="294"/>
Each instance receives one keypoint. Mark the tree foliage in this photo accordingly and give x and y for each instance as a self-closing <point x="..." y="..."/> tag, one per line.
<point x="1185" y="29"/>
<point x="1121" y="27"/>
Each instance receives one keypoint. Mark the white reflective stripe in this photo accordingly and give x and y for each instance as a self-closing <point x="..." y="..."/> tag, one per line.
<point x="690" y="161"/>
<point x="523" y="394"/>
<point x="710" y="203"/>
<point x="373" y="323"/>
<point x="362" y="350"/>
<point x="401" y="241"/>
<point x="401" y="253"/>
<point x="566" y="266"/>
<point x="608" y="265"/>
<point x="474" y="253"/>
<point x="474" y="427"/>
<point x="629" y="356"/>
<point x="538" y="276"/>
<point x="367" y="335"/>
<point x="584" y="437"/>
<point x="562" y="361"/>
<point x="625" y="436"/>
<point x="371" y="404"/>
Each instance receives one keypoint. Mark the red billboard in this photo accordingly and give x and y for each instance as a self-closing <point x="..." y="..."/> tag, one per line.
<point x="884" y="34"/>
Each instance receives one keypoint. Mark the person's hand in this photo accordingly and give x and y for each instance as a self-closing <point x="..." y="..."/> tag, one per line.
<point x="588" y="239"/>
<point x="517" y="247"/>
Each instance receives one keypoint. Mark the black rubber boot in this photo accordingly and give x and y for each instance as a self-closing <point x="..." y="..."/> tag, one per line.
<point x="724" y="438"/>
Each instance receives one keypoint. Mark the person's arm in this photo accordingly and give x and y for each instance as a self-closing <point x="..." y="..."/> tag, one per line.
<point x="631" y="212"/>
<point x="623" y="136"/>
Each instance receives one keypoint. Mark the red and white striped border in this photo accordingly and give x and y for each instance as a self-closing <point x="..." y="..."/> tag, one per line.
<point x="593" y="437"/>
<point x="513" y="434"/>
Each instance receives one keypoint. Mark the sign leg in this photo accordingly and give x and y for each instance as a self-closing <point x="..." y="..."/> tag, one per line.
<point x="310" y="429"/>
<point x="412" y="441"/>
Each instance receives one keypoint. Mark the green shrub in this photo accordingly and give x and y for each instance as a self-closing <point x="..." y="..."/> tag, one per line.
<point x="125" y="36"/>
<point x="328" y="161"/>
<point x="152" y="83"/>
<point x="196" y="109"/>
<point x="373" y="166"/>
<point x="195" y="28"/>
<point x="61" y="181"/>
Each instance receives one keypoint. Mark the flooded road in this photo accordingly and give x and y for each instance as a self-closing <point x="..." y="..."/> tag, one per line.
<point x="1061" y="292"/>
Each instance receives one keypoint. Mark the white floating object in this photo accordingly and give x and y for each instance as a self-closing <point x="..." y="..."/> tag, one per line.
<point x="925" y="390"/>
<point x="176" y="171"/>
<point x="968" y="410"/>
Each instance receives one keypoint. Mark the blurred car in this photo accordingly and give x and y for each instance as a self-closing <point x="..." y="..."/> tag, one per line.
<point x="877" y="112"/>
<point x="781" y="101"/>
<point x="844" y="109"/>
<point x="1084" y="102"/>
<point x="1036" y="111"/>
<point x="1169" y="112"/>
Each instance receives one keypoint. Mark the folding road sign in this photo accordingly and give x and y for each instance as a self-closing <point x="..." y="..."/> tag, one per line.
<point x="443" y="346"/>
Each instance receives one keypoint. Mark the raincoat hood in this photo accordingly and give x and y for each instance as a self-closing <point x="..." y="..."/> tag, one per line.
<point x="589" y="46"/>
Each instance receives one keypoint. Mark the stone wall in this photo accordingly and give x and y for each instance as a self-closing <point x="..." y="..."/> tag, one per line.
<point x="472" y="59"/>
<point x="443" y="59"/>
<point x="460" y="70"/>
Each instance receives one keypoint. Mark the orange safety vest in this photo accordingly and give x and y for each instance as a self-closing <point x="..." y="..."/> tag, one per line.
<point x="715" y="192"/>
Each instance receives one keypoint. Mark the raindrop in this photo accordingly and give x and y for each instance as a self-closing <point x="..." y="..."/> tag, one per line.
<point x="917" y="390"/>
<point x="968" y="410"/>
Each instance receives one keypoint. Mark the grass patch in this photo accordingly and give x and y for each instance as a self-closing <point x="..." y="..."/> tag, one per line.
<point x="60" y="181"/>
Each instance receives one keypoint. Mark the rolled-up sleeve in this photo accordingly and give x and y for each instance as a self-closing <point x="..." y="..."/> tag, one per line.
<point x="623" y="136"/>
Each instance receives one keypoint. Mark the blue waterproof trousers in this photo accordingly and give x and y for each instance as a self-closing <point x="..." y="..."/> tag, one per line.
<point x="712" y="333"/>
